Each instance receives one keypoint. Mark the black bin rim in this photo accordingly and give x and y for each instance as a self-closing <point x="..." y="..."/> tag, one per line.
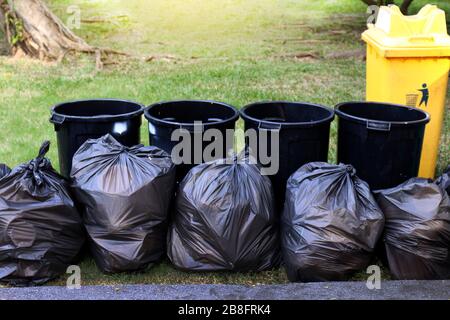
<point x="254" y="120"/>
<point x="58" y="117"/>
<point x="343" y="115"/>
<point x="188" y="125"/>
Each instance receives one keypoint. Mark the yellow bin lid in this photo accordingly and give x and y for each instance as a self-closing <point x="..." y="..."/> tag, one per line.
<point x="421" y="35"/>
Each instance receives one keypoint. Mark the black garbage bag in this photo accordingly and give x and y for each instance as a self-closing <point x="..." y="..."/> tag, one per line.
<point x="125" y="194"/>
<point x="444" y="180"/>
<point x="224" y="219"/>
<point x="417" y="231"/>
<point x="330" y="223"/>
<point x="41" y="232"/>
<point x="4" y="170"/>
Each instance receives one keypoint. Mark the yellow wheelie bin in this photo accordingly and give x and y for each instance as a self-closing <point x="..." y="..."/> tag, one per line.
<point x="408" y="62"/>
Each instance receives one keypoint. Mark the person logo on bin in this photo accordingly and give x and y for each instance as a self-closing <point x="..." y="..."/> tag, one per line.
<point x="425" y="94"/>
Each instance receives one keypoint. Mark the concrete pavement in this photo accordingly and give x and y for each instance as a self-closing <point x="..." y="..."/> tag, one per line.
<point x="423" y="290"/>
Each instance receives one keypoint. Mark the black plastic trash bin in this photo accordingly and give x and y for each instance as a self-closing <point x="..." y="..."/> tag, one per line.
<point x="77" y="121"/>
<point x="304" y="133"/>
<point x="382" y="141"/>
<point x="166" y="117"/>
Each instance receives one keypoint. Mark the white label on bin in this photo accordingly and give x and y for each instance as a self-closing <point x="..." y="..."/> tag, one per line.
<point x="120" y="128"/>
<point x="151" y="128"/>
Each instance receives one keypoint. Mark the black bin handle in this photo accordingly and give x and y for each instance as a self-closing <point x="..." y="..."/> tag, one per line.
<point x="57" y="119"/>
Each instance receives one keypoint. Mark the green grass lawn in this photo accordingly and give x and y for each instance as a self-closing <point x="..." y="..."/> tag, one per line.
<point x="236" y="51"/>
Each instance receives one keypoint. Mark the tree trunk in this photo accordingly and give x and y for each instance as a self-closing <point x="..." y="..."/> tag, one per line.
<point x="33" y="30"/>
<point x="370" y="2"/>
<point x="405" y="6"/>
<point x="4" y="45"/>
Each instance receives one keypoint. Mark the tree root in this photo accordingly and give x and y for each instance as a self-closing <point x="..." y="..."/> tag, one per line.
<point x="300" y="55"/>
<point x="34" y="31"/>
<point x="167" y="57"/>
